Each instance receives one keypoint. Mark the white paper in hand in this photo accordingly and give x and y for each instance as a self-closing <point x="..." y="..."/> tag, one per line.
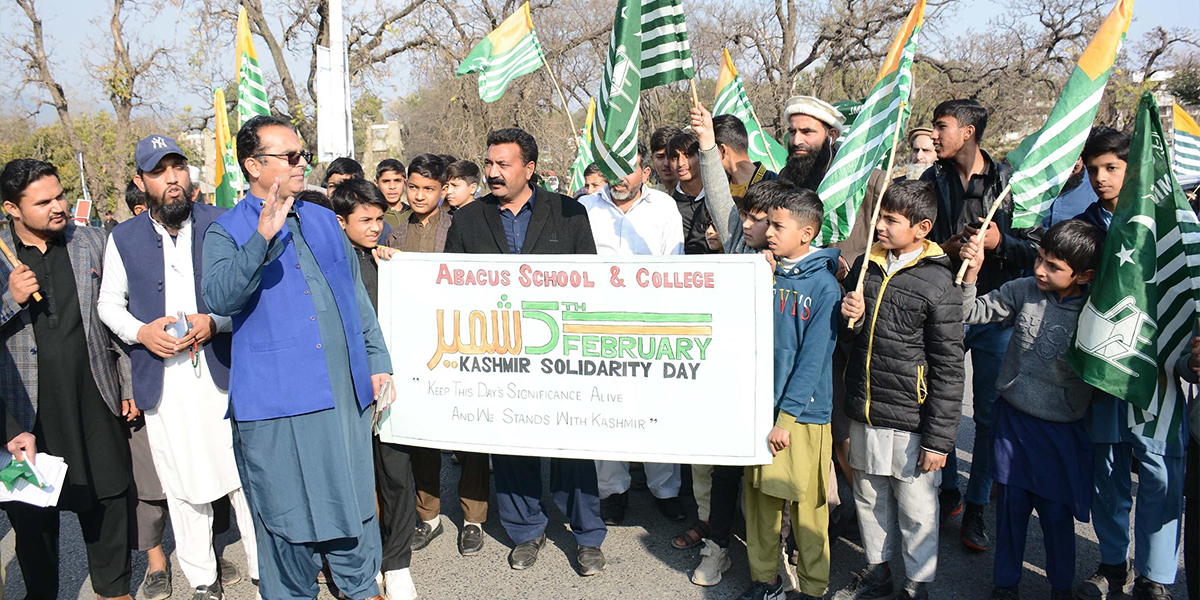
<point x="51" y="469"/>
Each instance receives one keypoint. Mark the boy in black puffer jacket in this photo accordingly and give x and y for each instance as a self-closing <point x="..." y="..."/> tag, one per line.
<point x="904" y="386"/>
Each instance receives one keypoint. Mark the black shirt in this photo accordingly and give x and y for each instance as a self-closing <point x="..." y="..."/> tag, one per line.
<point x="369" y="272"/>
<point x="73" y="421"/>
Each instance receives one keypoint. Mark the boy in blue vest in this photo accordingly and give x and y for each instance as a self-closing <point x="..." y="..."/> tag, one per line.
<point x="807" y="296"/>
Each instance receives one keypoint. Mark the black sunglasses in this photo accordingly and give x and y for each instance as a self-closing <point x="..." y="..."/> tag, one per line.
<point x="293" y="158"/>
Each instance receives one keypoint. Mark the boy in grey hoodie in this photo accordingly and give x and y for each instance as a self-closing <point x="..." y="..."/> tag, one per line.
<point x="1042" y="455"/>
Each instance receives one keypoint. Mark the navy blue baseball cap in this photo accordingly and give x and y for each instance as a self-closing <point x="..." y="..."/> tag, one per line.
<point x="151" y="149"/>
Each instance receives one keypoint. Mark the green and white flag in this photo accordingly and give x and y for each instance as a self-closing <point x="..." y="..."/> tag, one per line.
<point x="732" y="100"/>
<point x="584" y="156"/>
<point x="647" y="47"/>
<point x="1186" y="160"/>
<point x="1044" y="161"/>
<point x="1144" y="302"/>
<point x="508" y="52"/>
<point x="870" y="137"/>
<point x="252" y="93"/>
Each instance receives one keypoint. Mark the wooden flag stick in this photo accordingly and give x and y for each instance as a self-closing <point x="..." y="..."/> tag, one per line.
<point x="887" y="180"/>
<point x="695" y="96"/>
<point x="983" y="227"/>
<point x="12" y="260"/>
<point x="574" y="131"/>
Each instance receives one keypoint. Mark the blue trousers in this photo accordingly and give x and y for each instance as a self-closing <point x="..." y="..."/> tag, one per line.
<point x="1159" y="504"/>
<point x="572" y="485"/>
<point x="987" y="344"/>
<point x="289" y="571"/>
<point x="1014" y="505"/>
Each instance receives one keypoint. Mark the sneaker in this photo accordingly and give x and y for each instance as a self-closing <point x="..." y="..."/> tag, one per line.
<point x="209" y="592"/>
<point x="1108" y="579"/>
<point x="612" y="508"/>
<point x="591" y="560"/>
<point x="949" y="504"/>
<point x="974" y="534"/>
<point x="764" y="591"/>
<point x="425" y="534"/>
<point x="470" y="540"/>
<point x="228" y="572"/>
<point x="398" y="585"/>
<point x="1144" y="589"/>
<point x="914" y="590"/>
<point x="875" y="581"/>
<point x="157" y="585"/>
<point x="1006" y="593"/>
<point x="714" y="561"/>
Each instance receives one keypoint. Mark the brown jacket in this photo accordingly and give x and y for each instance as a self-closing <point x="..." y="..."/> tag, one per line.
<point x="400" y="232"/>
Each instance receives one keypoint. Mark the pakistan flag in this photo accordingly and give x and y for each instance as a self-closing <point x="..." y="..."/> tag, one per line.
<point x="1143" y="305"/>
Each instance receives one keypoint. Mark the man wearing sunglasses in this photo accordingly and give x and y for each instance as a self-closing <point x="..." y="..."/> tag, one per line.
<point x="308" y="359"/>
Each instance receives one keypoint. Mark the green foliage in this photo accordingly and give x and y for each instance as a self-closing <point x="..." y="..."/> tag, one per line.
<point x="1185" y="86"/>
<point x="367" y="111"/>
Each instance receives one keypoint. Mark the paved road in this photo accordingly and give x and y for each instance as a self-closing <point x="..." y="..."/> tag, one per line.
<point x="642" y="564"/>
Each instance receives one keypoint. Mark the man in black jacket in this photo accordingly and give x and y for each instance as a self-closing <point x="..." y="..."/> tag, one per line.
<point x="968" y="181"/>
<point x="519" y="218"/>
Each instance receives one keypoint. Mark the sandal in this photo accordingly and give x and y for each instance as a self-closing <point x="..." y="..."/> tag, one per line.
<point x="692" y="537"/>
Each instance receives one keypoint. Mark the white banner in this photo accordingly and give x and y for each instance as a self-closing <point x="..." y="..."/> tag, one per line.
<point x="641" y="358"/>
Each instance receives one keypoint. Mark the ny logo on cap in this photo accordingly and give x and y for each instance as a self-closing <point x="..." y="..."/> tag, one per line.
<point x="158" y="142"/>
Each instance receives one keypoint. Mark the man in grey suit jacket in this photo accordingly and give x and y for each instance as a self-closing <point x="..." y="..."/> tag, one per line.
<point x="64" y="381"/>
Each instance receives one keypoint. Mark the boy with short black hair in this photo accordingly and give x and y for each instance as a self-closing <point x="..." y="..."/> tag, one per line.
<point x="423" y="226"/>
<point x="1104" y="155"/>
<point x="1042" y="455"/>
<point x="684" y="154"/>
<point x="390" y="179"/>
<point x="904" y="386"/>
<point x="462" y="182"/>
<point x="359" y="207"/>
<point x="807" y="297"/>
<point x="661" y="159"/>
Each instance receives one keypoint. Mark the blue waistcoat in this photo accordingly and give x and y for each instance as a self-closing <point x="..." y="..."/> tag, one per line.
<point x="140" y="246"/>
<point x="279" y="368"/>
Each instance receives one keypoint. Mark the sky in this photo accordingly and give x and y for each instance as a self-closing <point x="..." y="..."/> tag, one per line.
<point x="71" y="30"/>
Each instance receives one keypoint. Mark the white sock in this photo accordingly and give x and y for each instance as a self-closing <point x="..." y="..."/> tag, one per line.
<point x="434" y="522"/>
<point x="479" y="525"/>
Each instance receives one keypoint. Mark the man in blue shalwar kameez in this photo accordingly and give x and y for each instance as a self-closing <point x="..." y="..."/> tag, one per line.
<point x="307" y="360"/>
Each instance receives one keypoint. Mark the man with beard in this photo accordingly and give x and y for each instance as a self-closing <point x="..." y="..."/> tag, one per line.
<point x="629" y="218"/>
<point x="64" y="382"/>
<point x="308" y="358"/>
<point x="813" y="127"/>
<point x="519" y="218"/>
<point x="180" y="367"/>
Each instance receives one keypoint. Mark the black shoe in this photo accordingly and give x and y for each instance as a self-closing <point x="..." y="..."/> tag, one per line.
<point x="612" y="508"/>
<point x="591" y="560"/>
<point x="875" y="581"/>
<point x="525" y="554"/>
<point x="1061" y="595"/>
<point x="974" y="535"/>
<point x="949" y="504"/>
<point x="209" y="592"/>
<point x="157" y="585"/>
<point x="1144" y="589"/>
<point x="470" y="540"/>
<point x="425" y="534"/>
<point x="1108" y="579"/>
<point x="764" y="591"/>
<point x="914" y="591"/>
<point x="671" y="508"/>
<point x="1006" y="593"/>
<point x="228" y="572"/>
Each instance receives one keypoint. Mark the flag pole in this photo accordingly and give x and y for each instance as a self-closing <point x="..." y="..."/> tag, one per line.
<point x="12" y="260"/>
<point x="550" y="73"/>
<point x="695" y="96"/>
<point x="770" y="156"/>
<point x="983" y="227"/>
<point x="887" y="180"/>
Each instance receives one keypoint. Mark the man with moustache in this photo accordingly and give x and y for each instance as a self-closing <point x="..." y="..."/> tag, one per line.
<point x="308" y="358"/>
<point x="180" y="368"/>
<point x="518" y="218"/>
<point x="813" y="127"/>
<point x="64" y="382"/>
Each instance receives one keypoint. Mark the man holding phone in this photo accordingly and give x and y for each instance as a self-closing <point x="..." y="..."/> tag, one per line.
<point x="968" y="182"/>
<point x="150" y="298"/>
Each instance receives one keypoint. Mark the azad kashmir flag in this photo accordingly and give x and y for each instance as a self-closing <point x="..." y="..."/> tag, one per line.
<point x="648" y="47"/>
<point x="1186" y="161"/>
<point x="508" y="52"/>
<point x="252" y="93"/>
<point x="732" y="100"/>
<point x="227" y="175"/>
<point x="584" y="156"/>
<point x="870" y="137"/>
<point x="1144" y="302"/>
<point x="1044" y="161"/>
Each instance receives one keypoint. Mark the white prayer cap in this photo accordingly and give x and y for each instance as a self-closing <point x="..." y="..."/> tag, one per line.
<point x="815" y="108"/>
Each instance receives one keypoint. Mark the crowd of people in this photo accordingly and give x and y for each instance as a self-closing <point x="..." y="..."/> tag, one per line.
<point x="198" y="364"/>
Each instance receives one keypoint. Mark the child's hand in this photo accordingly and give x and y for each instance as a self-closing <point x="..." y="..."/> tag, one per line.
<point x="770" y="258"/>
<point x="702" y="125"/>
<point x="853" y="306"/>
<point x="1194" y="361"/>
<point x="931" y="461"/>
<point x="383" y="252"/>
<point x="972" y="254"/>
<point x="778" y="440"/>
